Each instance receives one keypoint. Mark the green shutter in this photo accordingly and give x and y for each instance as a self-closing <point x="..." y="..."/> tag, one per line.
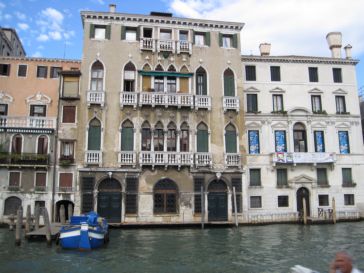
<point x="92" y="31"/>
<point x="347" y="179"/>
<point x="123" y="30"/>
<point x="94" y="138"/>
<point x="202" y="141"/>
<point x="204" y="90"/>
<point x="229" y="86"/>
<point x="127" y="140"/>
<point x="138" y="33"/>
<point x="220" y="39"/>
<point x="235" y="40"/>
<point x="108" y="32"/>
<point x="207" y="38"/>
<point x="230" y="141"/>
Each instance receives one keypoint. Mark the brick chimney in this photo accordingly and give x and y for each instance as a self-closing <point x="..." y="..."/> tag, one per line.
<point x="334" y="40"/>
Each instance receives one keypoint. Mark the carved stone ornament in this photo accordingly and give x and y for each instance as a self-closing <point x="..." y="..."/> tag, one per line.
<point x="38" y="98"/>
<point x="5" y="98"/>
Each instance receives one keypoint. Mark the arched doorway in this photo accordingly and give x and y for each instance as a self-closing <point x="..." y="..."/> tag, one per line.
<point x="65" y="203"/>
<point x="109" y="200"/>
<point x="11" y="206"/>
<point x="303" y="193"/>
<point x="217" y="201"/>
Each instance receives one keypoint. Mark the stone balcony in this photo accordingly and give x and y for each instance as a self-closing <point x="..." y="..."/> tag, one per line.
<point x="203" y="160"/>
<point x="166" y="159"/>
<point x="95" y="98"/>
<point x="202" y="102"/>
<point x="27" y="122"/>
<point x="128" y="98"/>
<point x="166" y="99"/>
<point x="233" y="160"/>
<point x="158" y="45"/>
<point x="127" y="158"/>
<point x="24" y="159"/>
<point x="93" y="157"/>
<point x="303" y="158"/>
<point x="231" y="103"/>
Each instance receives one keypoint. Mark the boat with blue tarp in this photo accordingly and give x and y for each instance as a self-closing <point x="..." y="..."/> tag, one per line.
<point x="87" y="231"/>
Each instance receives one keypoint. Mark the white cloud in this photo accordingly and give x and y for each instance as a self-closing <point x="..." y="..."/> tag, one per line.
<point x="20" y="16"/>
<point x="42" y="38"/>
<point x="2" y="5"/>
<point x="7" y="16"/>
<point x="291" y="26"/>
<point x="40" y="47"/>
<point x="101" y="2"/>
<point x="23" y="26"/>
<point x="37" y="54"/>
<point x="55" y="35"/>
<point x="50" y="24"/>
<point x="68" y="34"/>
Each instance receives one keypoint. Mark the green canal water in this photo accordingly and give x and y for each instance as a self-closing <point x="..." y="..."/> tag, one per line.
<point x="248" y="249"/>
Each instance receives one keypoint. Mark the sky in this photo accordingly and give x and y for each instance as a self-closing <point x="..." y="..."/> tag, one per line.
<point x="53" y="28"/>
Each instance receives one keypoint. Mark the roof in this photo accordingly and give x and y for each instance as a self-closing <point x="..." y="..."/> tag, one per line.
<point x="298" y="59"/>
<point x="38" y="59"/>
<point x="16" y="35"/>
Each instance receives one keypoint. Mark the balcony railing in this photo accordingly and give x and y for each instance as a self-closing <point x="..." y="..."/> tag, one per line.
<point x="65" y="189"/>
<point x="166" y="158"/>
<point x="303" y="158"/>
<point x="202" y="102"/>
<point x="127" y="158"/>
<point x="93" y="157"/>
<point x="24" y="159"/>
<point x="166" y="99"/>
<point x="184" y="46"/>
<point x="40" y="188"/>
<point x="128" y="98"/>
<point x="231" y="103"/>
<point x="165" y="45"/>
<point x="147" y="44"/>
<point x="203" y="159"/>
<point x="96" y="97"/>
<point x="27" y="122"/>
<point x="232" y="160"/>
<point x="14" y="188"/>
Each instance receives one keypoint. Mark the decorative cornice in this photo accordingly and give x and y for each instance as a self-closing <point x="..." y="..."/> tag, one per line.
<point x="38" y="98"/>
<point x="5" y="98"/>
<point x="298" y="59"/>
<point x="38" y="59"/>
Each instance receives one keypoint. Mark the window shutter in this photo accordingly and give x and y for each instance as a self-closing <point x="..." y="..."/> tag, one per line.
<point x="138" y="33"/>
<point x="127" y="141"/>
<point x="41" y="179"/>
<point x="207" y="39"/>
<point x="220" y="39"/>
<point x="230" y="141"/>
<point x="123" y="30"/>
<point x="235" y="40"/>
<point x="92" y="31"/>
<point x="65" y="180"/>
<point x="204" y="85"/>
<point x="108" y="32"/>
<point x="14" y="179"/>
<point x="94" y="138"/>
<point x="202" y="141"/>
<point x="229" y="86"/>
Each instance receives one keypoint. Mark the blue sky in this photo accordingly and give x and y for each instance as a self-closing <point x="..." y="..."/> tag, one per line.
<point x="53" y="28"/>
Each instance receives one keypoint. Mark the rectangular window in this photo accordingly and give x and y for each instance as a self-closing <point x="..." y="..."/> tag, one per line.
<point x="131" y="201"/>
<point x="4" y="69"/>
<point x="255" y="178"/>
<point x="252" y="103"/>
<point x="349" y="200"/>
<point x="255" y="202"/>
<point x="55" y="71"/>
<point x="275" y="73"/>
<point x="147" y="33"/>
<point x="323" y="200"/>
<point x="340" y="104"/>
<point x="100" y="32"/>
<point x="250" y="73"/>
<point x="322" y="177"/>
<point x="69" y="114"/>
<point x="347" y="176"/>
<point x="227" y="41"/>
<point x="313" y="74"/>
<point x="344" y="145"/>
<point x="165" y="35"/>
<point x="278" y="103"/>
<point x="70" y="87"/>
<point x="3" y="109"/>
<point x="40" y="181"/>
<point x="316" y="103"/>
<point x="67" y="148"/>
<point x="254" y="143"/>
<point x="282" y="179"/>
<point x="171" y="84"/>
<point x="130" y="34"/>
<point x="87" y="188"/>
<point x="280" y="141"/>
<point x="183" y="35"/>
<point x="146" y="139"/>
<point x="319" y="141"/>
<point x="22" y="70"/>
<point x="38" y="110"/>
<point x="236" y="183"/>
<point x="14" y="180"/>
<point x="283" y="201"/>
<point x="199" y="39"/>
<point x="42" y="71"/>
<point x="337" y="76"/>
<point x="198" y="183"/>
<point x="159" y="84"/>
<point x="65" y="182"/>
<point x="40" y="204"/>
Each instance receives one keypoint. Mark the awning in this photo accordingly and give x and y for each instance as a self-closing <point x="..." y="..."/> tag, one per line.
<point x="165" y="74"/>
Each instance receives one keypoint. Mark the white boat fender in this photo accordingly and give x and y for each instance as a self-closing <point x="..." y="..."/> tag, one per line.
<point x="301" y="269"/>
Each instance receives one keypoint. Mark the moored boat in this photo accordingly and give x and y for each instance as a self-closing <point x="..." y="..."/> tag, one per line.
<point x="84" y="232"/>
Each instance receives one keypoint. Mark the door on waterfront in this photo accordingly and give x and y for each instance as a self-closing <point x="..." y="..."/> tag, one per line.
<point x="303" y="193"/>
<point x="217" y="201"/>
<point x="109" y="200"/>
<point x="66" y="204"/>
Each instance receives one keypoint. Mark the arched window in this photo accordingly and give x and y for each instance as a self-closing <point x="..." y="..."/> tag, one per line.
<point x="171" y="68"/>
<point x="97" y="76"/>
<point x="42" y="145"/>
<point x="94" y="135"/>
<point x="129" y="77"/>
<point x="201" y="82"/>
<point x="11" y="206"/>
<point x="202" y="138"/>
<point x="172" y="138"/>
<point x="16" y="144"/>
<point x="299" y="138"/>
<point x="229" y="84"/>
<point x="230" y="139"/>
<point x="127" y="136"/>
<point x="159" y="68"/>
<point x="159" y="80"/>
<point x="185" y="138"/>
<point x="165" y="196"/>
<point x="146" y="80"/>
<point x="158" y="137"/>
<point x="146" y="137"/>
<point x="184" y="69"/>
<point x="171" y="81"/>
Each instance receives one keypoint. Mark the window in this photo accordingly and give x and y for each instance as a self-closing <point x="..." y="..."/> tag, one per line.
<point x="159" y="84"/>
<point x="275" y="73"/>
<point x="69" y="114"/>
<point x="198" y="184"/>
<point x="229" y="83"/>
<point x="39" y="204"/>
<point x="344" y="145"/>
<point x="236" y="183"/>
<point x="94" y="135"/>
<point x="65" y="182"/>
<point x="100" y="32"/>
<point x="283" y="201"/>
<point x="250" y="73"/>
<point x="255" y="202"/>
<point x="16" y="144"/>
<point x="202" y="138"/>
<point x="87" y="188"/>
<point x="55" y="71"/>
<point x="252" y="103"/>
<point x="14" y="180"/>
<point x="67" y="148"/>
<point x="323" y="200"/>
<point x="255" y="179"/>
<point x="227" y="41"/>
<point x="129" y="77"/>
<point x="42" y="145"/>
<point x="299" y="138"/>
<point x="282" y="179"/>
<point x="38" y="110"/>
<point x="183" y="35"/>
<point x="347" y="177"/>
<point x="70" y="86"/>
<point x="336" y="72"/>
<point x="316" y="103"/>
<point x="22" y="70"/>
<point x="158" y="137"/>
<point x="254" y="143"/>
<point x="340" y="104"/>
<point x="199" y="39"/>
<point x="280" y="141"/>
<point x="349" y="200"/>
<point x="165" y="196"/>
<point x="201" y="82"/>
<point x="172" y="138"/>
<point x="127" y="136"/>
<point x="322" y="177"/>
<point x="230" y="139"/>
<point x="313" y="74"/>
<point x="42" y="71"/>
<point x="184" y="138"/>
<point x="146" y="137"/>
<point x="11" y="205"/>
<point x="165" y="35"/>
<point x="130" y="34"/>
<point x="319" y="141"/>
<point x="4" y="69"/>
<point x="3" y="109"/>
<point x="171" y="84"/>
<point x="97" y="76"/>
<point x="278" y="103"/>
<point x="131" y="197"/>
<point x="147" y="33"/>
<point x="40" y="181"/>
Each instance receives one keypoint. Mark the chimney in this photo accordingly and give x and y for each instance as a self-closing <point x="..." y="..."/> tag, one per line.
<point x="112" y="8"/>
<point x="334" y="41"/>
<point x="264" y="49"/>
<point x="348" y="51"/>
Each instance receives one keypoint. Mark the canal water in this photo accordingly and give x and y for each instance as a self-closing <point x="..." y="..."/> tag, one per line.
<point x="248" y="249"/>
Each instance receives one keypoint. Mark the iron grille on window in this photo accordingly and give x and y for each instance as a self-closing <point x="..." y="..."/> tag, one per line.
<point x="236" y="182"/>
<point x="250" y="74"/>
<point x="255" y="179"/>
<point x="131" y="199"/>
<point x="198" y="183"/>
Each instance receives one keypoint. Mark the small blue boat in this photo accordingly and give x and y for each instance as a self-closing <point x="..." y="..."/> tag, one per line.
<point x="84" y="232"/>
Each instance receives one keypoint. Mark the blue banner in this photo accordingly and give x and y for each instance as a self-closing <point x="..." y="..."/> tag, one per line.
<point x="280" y="138"/>
<point x="319" y="142"/>
<point x="344" y="142"/>
<point x="254" y="142"/>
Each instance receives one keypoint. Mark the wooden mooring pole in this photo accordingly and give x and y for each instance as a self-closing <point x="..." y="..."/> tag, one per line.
<point x="28" y="220"/>
<point x="48" y="226"/>
<point x="304" y="211"/>
<point x="19" y="223"/>
<point x="62" y="214"/>
<point x="36" y="217"/>
<point x="333" y="210"/>
<point x="202" y="208"/>
<point x="12" y="218"/>
<point x="235" y="208"/>
<point x="70" y="212"/>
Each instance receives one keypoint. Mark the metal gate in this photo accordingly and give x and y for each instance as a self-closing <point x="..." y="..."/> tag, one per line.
<point x="109" y="200"/>
<point x="217" y="201"/>
<point x="303" y="193"/>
